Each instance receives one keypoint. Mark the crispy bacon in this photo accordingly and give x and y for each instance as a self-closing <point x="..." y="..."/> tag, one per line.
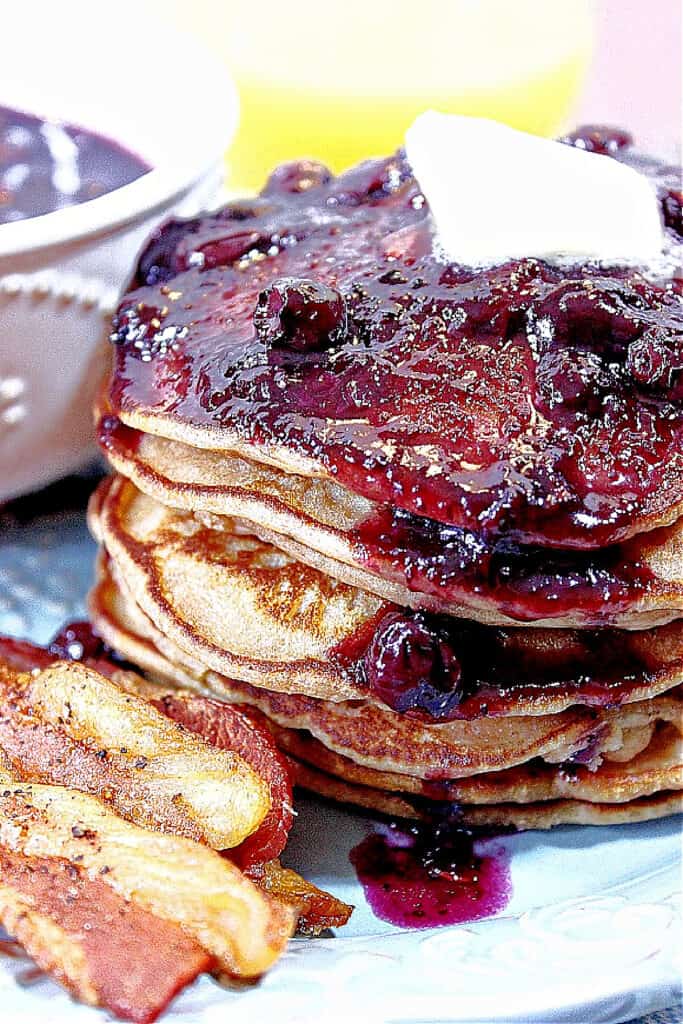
<point x="238" y="925"/>
<point x="45" y="754"/>
<point x="94" y="941"/>
<point x="22" y="656"/>
<point x="64" y="723"/>
<point x="317" y="909"/>
<point x="243" y="730"/>
<point x="68" y="724"/>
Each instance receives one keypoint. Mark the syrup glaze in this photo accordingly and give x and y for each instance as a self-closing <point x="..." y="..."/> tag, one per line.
<point x="524" y="582"/>
<point x="45" y="166"/>
<point x="431" y="874"/>
<point x="538" y="401"/>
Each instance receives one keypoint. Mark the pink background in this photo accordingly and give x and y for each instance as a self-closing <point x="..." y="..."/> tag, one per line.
<point x="635" y="80"/>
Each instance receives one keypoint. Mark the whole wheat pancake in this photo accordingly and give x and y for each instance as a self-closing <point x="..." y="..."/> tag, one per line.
<point x="314" y="329"/>
<point x="245" y="610"/>
<point x="635" y="585"/>
<point x="544" y="815"/>
<point x="235" y="603"/>
<point x="656" y="768"/>
<point x="384" y="741"/>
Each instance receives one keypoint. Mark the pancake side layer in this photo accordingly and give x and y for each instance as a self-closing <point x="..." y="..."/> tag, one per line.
<point x="324" y="525"/>
<point x="384" y="741"/>
<point x="246" y="610"/>
<point x="519" y="816"/>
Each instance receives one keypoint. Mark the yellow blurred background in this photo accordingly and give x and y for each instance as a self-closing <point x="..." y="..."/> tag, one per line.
<point x="341" y="81"/>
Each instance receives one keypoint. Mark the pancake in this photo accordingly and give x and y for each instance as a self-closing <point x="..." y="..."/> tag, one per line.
<point x="245" y="610"/>
<point x="315" y="330"/>
<point x="656" y="768"/>
<point x="385" y="741"/>
<point x="237" y="604"/>
<point x="545" y="815"/>
<point x="409" y="561"/>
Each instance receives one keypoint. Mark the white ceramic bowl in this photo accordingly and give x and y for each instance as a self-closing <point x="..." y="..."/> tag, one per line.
<point x="162" y="96"/>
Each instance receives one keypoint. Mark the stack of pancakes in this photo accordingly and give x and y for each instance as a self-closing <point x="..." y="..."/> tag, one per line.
<point x="426" y="518"/>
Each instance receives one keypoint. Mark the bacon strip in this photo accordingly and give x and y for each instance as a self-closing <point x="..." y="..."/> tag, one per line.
<point x="68" y="724"/>
<point x="46" y="754"/>
<point x="317" y="909"/>
<point x="244" y="731"/>
<point x="173" y="878"/>
<point x="43" y="753"/>
<point x="22" y="655"/>
<point x="93" y="941"/>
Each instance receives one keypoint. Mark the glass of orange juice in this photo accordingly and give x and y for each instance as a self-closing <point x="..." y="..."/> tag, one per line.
<point x="341" y="81"/>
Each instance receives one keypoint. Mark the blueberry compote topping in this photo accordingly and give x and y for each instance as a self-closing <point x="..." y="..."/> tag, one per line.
<point x="77" y="641"/>
<point x="526" y="582"/>
<point x="507" y="400"/>
<point x="431" y="874"/>
<point x="45" y="166"/>
<point x="436" y="668"/>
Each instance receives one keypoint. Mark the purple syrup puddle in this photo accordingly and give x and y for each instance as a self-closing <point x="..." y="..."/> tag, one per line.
<point x="432" y="874"/>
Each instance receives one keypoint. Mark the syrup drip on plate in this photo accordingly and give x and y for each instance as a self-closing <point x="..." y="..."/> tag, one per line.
<point x="429" y="875"/>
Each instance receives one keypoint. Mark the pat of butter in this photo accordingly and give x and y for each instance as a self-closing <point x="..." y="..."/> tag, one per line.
<point x="497" y="194"/>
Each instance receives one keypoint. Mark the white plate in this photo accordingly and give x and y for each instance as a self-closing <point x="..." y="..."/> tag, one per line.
<point x="592" y="932"/>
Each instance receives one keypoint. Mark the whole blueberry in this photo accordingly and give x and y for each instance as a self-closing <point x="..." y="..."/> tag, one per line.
<point x="300" y="314"/>
<point x="570" y="377"/>
<point x="655" y="361"/>
<point x="76" y="641"/>
<point x="158" y="260"/>
<point x="599" y="138"/>
<point x="411" y="666"/>
<point x="672" y="208"/>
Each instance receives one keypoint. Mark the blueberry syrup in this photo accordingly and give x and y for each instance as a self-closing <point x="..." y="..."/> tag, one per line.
<point x="438" y="668"/>
<point x="431" y="875"/>
<point x="525" y="582"/>
<point x="532" y="401"/>
<point x="45" y="166"/>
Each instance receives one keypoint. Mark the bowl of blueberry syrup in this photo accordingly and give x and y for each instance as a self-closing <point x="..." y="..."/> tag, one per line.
<point x="108" y="126"/>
